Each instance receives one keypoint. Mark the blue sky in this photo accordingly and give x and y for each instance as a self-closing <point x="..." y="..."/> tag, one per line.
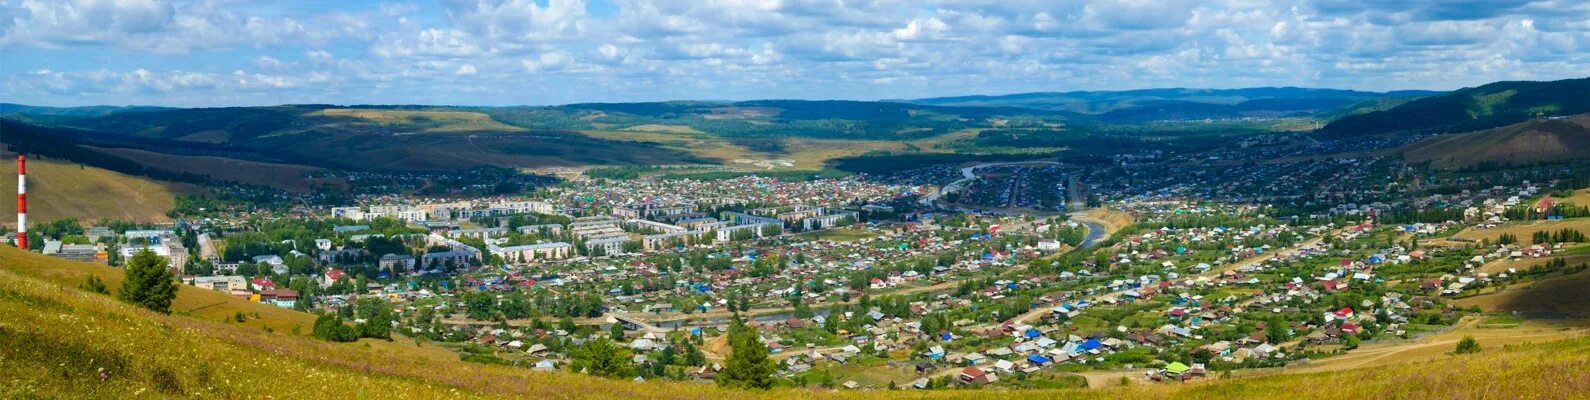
<point x="508" y="52"/>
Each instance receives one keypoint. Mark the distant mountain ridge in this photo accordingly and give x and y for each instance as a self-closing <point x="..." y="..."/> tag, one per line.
<point x="1173" y="104"/>
<point x="1098" y="102"/>
<point x="1469" y="109"/>
<point x="82" y="111"/>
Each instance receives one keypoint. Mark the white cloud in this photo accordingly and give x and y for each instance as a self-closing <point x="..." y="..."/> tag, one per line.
<point x="550" y="61"/>
<point x="479" y="50"/>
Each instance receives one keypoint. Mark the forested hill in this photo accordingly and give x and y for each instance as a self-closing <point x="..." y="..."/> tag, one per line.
<point x="1181" y="103"/>
<point x="1470" y="109"/>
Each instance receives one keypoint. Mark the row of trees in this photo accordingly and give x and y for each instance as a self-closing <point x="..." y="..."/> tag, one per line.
<point x="486" y="306"/>
<point x="1562" y="236"/>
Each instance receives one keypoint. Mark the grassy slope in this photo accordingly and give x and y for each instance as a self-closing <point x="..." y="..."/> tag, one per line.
<point x="62" y="189"/>
<point x="1552" y="297"/>
<point x="1524" y="143"/>
<point x="425" y="121"/>
<point x="54" y="340"/>
<point x="281" y="176"/>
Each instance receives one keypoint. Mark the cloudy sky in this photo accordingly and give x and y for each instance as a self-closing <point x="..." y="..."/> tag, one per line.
<point x="506" y="52"/>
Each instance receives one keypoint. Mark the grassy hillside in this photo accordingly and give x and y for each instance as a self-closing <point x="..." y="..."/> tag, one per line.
<point x="56" y="341"/>
<point x="385" y="139"/>
<point x="281" y="176"/>
<point x="58" y="189"/>
<point x="1528" y="142"/>
<point x="1553" y="297"/>
<point x="1484" y="107"/>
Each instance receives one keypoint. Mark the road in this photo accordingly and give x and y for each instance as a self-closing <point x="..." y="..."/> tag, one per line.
<point x="968" y="175"/>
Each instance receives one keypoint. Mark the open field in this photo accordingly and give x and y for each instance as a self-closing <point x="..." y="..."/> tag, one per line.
<point x="281" y="176"/>
<point x="66" y="190"/>
<point x="57" y="340"/>
<point x="698" y="144"/>
<point x="1572" y="255"/>
<point x="1552" y="297"/>
<point x="1580" y="197"/>
<point x="427" y="121"/>
<point x="1523" y="230"/>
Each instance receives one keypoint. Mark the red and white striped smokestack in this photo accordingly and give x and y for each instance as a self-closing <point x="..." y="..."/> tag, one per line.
<point x="22" y="202"/>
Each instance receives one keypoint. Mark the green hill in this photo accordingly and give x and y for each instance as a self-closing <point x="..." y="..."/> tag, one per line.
<point x="60" y="342"/>
<point x="1471" y="109"/>
<point x="380" y="139"/>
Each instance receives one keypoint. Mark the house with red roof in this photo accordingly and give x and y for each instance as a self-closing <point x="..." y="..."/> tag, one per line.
<point x="977" y="376"/>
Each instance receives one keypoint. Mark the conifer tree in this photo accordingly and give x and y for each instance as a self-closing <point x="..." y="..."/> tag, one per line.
<point x="748" y="366"/>
<point x="149" y="283"/>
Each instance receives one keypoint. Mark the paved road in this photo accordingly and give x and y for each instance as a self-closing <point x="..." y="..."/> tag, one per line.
<point x="968" y="175"/>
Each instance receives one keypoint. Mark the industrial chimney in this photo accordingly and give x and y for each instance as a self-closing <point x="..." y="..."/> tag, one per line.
<point x="22" y="202"/>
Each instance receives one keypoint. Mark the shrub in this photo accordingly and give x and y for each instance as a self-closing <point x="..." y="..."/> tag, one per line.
<point x="1468" y="345"/>
<point x="329" y="327"/>
<point x="95" y="285"/>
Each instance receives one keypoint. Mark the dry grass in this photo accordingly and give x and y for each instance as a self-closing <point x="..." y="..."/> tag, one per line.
<point x="57" y="339"/>
<point x="281" y="176"/>
<point x="1436" y="346"/>
<point x="192" y="301"/>
<point x="1113" y="220"/>
<point x="66" y="190"/>
<point x="1502" y="265"/>
<point x="1523" y="230"/>
<point x="1580" y="197"/>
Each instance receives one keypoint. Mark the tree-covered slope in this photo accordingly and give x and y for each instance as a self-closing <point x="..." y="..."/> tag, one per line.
<point x="1484" y="107"/>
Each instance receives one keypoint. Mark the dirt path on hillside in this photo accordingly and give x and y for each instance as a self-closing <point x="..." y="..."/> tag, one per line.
<point x="1440" y="344"/>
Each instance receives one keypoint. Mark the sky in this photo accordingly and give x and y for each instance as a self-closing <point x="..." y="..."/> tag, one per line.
<point x="534" y="52"/>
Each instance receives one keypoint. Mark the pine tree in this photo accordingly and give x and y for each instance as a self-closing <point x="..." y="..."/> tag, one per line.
<point x="149" y="283"/>
<point x="748" y="366"/>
